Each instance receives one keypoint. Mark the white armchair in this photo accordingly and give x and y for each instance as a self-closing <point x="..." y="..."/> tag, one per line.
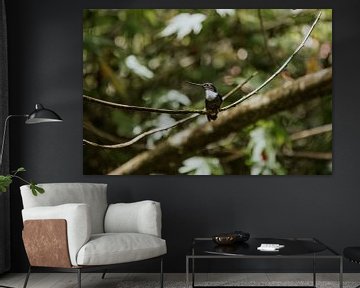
<point x="72" y="228"/>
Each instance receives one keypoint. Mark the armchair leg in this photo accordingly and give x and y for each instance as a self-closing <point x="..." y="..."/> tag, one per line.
<point x="79" y="277"/>
<point x="103" y="275"/>
<point x="27" y="277"/>
<point x="161" y="273"/>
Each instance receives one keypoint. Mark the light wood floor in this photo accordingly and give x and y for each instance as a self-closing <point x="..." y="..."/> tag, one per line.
<point x="68" y="280"/>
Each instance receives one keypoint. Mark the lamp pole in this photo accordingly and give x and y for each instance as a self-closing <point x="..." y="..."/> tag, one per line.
<point x="4" y="134"/>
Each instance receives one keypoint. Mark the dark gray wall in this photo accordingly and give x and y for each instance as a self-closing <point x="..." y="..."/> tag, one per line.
<point x="45" y="50"/>
<point x="4" y="166"/>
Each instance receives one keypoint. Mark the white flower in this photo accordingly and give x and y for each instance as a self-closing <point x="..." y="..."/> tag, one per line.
<point x="183" y="24"/>
<point x="133" y="64"/>
<point x="225" y="12"/>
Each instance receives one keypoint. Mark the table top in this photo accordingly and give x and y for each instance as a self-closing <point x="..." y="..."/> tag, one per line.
<point x="292" y="247"/>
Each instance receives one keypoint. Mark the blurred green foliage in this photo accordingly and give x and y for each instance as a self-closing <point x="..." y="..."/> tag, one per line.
<point x="144" y="57"/>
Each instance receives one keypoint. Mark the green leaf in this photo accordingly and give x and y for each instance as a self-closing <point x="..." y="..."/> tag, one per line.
<point x="39" y="189"/>
<point x="5" y="182"/>
<point x="36" y="189"/>
<point x="20" y="169"/>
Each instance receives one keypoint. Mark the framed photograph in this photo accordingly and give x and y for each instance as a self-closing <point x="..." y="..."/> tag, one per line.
<point x="207" y="92"/>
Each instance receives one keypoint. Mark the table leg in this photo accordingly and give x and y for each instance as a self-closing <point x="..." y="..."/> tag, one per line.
<point x="314" y="271"/>
<point x="193" y="267"/>
<point x="193" y="272"/>
<point x="187" y="272"/>
<point x="341" y="273"/>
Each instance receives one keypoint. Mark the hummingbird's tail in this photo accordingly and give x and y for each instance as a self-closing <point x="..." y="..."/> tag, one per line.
<point x="211" y="117"/>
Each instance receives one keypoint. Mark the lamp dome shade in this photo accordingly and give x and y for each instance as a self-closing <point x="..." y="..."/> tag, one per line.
<point x="42" y="115"/>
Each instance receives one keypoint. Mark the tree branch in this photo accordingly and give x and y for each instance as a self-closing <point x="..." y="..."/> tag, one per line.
<point x="140" y="108"/>
<point x="142" y="135"/>
<point x="172" y="151"/>
<point x="311" y="132"/>
<point x="109" y="137"/>
<point x="308" y="155"/>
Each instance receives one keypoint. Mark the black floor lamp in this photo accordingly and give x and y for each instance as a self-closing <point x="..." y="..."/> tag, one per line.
<point x="39" y="115"/>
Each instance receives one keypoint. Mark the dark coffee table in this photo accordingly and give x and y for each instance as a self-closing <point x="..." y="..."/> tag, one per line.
<point x="295" y="248"/>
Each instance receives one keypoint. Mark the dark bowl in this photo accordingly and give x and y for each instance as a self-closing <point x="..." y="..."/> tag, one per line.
<point x="241" y="236"/>
<point x="225" y="239"/>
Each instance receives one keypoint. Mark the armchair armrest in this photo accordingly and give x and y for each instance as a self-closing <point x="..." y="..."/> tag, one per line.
<point x="138" y="217"/>
<point x="78" y="225"/>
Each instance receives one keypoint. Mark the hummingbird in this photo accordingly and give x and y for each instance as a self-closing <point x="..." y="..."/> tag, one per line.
<point x="213" y="100"/>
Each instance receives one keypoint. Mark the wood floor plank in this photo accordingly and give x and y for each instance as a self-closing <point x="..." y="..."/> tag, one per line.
<point x="12" y="279"/>
<point x="55" y="280"/>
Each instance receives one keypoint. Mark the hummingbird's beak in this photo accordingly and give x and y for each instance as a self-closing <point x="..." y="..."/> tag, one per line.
<point x="192" y="83"/>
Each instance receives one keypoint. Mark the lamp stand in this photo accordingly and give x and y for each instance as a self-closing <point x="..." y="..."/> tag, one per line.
<point x="4" y="134"/>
